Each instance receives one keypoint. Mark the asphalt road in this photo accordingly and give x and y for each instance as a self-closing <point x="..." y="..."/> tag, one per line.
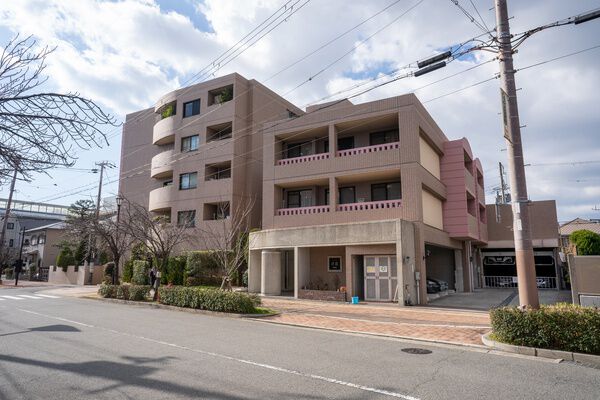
<point x="70" y="348"/>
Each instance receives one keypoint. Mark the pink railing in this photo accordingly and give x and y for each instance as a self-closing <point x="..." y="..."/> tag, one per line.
<point x="303" y="210"/>
<point x="368" y="149"/>
<point x="296" y="160"/>
<point x="370" y="205"/>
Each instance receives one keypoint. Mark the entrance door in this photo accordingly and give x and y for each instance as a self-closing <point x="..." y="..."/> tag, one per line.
<point x="380" y="277"/>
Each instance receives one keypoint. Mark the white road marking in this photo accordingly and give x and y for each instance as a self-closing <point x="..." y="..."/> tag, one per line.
<point x="29" y="297"/>
<point x="12" y="297"/>
<point x="1" y="299"/>
<point x="239" y="360"/>
<point x="47" y="295"/>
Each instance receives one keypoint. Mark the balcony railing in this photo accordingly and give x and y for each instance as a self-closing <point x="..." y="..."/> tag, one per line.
<point x="370" y="205"/>
<point x="296" y="160"/>
<point x="303" y="210"/>
<point x="368" y="149"/>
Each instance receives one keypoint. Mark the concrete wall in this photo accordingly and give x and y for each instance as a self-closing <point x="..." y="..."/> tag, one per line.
<point x="432" y="210"/>
<point x="318" y="267"/>
<point x="72" y="277"/>
<point x="585" y="276"/>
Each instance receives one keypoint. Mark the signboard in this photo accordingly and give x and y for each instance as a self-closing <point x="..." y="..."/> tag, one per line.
<point x="371" y="270"/>
<point x="334" y="264"/>
<point x="383" y="268"/>
<point x="504" y="98"/>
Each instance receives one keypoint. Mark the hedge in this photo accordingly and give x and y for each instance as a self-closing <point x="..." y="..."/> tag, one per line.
<point x="124" y="292"/>
<point x="141" y="273"/>
<point x="562" y="326"/>
<point x="175" y="271"/>
<point x="208" y="299"/>
<point x="127" y="271"/>
<point x="201" y="269"/>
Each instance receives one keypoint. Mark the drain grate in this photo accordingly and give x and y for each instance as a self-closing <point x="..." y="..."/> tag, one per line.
<point x="414" y="350"/>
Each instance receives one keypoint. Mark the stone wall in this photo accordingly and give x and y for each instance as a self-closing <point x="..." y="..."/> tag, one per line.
<point x="324" y="295"/>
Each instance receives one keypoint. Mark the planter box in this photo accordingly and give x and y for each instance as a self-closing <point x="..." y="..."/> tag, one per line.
<point x="324" y="295"/>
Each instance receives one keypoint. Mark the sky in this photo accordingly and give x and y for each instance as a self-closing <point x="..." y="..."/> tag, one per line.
<point x="126" y="54"/>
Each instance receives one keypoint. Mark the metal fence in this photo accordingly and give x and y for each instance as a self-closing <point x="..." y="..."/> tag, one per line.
<point x="543" y="282"/>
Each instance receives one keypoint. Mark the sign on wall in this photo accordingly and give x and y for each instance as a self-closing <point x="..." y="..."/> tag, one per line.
<point x="334" y="264"/>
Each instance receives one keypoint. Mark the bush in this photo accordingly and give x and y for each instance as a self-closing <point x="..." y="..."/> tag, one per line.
<point x="586" y="242"/>
<point x="208" y="299"/>
<point x="124" y="292"/>
<point x="108" y="272"/>
<point x="127" y="271"/>
<point x="560" y="327"/>
<point x="175" y="271"/>
<point x="108" y="291"/>
<point x="65" y="258"/>
<point x="141" y="273"/>
<point x="245" y="278"/>
<point x="202" y="269"/>
<point x="9" y="273"/>
<point x="138" y="292"/>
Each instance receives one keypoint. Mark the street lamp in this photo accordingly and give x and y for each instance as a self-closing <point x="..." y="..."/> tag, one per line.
<point x="115" y="276"/>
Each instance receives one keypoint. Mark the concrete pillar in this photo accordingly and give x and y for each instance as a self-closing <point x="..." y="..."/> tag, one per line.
<point x="458" y="271"/>
<point x="270" y="279"/>
<point x="254" y="271"/>
<point x="333" y="193"/>
<point x="301" y="268"/>
<point x="349" y="265"/>
<point x="332" y="141"/>
<point x="399" y="265"/>
<point x="467" y="267"/>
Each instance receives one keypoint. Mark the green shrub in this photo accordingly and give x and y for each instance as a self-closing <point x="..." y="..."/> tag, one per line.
<point x="560" y="327"/>
<point x="127" y="271"/>
<point x="202" y="269"/>
<point x="168" y="111"/>
<point x="207" y="299"/>
<point x="65" y="258"/>
<point x="123" y="292"/>
<point x="245" y="278"/>
<point x="175" y="271"/>
<point x="141" y="272"/>
<point x="108" y="291"/>
<point x="586" y="242"/>
<point x="9" y="273"/>
<point x="138" y="292"/>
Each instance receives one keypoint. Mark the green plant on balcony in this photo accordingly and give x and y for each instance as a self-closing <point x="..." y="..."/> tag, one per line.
<point x="225" y="95"/>
<point x="168" y="111"/>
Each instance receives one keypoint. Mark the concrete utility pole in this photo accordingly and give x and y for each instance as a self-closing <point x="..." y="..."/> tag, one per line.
<point x="7" y="212"/>
<point x="528" y="292"/>
<point x="502" y="183"/>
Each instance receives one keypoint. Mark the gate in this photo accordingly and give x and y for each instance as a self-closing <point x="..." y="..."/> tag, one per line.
<point x="381" y="277"/>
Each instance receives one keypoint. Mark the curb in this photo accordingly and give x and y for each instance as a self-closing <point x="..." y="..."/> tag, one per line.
<point x="175" y="308"/>
<point x="589" y="360"/>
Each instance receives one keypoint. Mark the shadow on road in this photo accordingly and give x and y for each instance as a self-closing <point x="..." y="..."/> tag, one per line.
<point x="47" y="328"/>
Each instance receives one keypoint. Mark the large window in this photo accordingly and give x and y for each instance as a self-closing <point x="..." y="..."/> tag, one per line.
<point x="299" y="149"/>
<point x="186" y="218"/>
<point x="34" y="240"/>
<point x="191" y="108"/>
<point x="347" y="195"/>
<point x="42" y="239"/>
<point x="345" y="143"/>
<point x="386" y="191"/>
<point x="188" y="181"/>
<point x="299" y="198"/>
<point x="189" y="143"/>
<point x="11" y="242"/>
<point x="383" y="137"/>
<point x="10" y="225"/>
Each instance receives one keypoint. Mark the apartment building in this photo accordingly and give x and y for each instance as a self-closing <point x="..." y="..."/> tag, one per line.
<point x="197" y="154"/>
<point x="369" y="200"/>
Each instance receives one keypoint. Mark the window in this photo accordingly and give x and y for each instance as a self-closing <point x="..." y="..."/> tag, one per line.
<point x="216" y="211"/>
<point x="42" y="240"/>
<point x="218" y="172"/>
<point x="189" y="143"/>
<point x="191" y="108"/>
<point x="299" y="149"/>
<point x="386" y="191"/>
<point x="299" y="198"/>
<point x="186" y="218"/>
<point x="10" y="225"/>
<point x="188" y="181"/>
<point x="11" y="242"/>
<point x="34" y="240"/>
<point x="347" y="195"/>
<point x="345" y="143"/>
<point x="383" y="137"/>
<point x="26" y="243"/>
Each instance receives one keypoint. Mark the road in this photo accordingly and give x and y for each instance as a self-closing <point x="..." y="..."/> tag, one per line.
<point x="72" y="348"/>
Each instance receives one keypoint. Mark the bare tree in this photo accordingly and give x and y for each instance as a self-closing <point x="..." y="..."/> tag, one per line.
<point x="227" y="237"/>
<point x="159" y="235"/>
<point x="39" y="130"/>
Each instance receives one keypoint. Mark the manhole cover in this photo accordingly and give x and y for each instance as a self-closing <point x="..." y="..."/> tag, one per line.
<point x="413" y="350"/>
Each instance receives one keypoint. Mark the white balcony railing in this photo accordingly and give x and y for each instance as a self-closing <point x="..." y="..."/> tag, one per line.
<point x="296" y="160"/>
<point x="370" y="205"/>
<point x="368" y="149"/>
<point x="303" y="210"/>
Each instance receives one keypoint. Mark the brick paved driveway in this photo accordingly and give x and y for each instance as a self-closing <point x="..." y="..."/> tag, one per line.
<point x="449" y="326"/>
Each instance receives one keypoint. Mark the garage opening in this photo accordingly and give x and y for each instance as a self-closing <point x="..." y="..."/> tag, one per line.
<point x="439" y="262"/>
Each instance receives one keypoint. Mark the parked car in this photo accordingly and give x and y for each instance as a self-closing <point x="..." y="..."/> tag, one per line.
<point x="443" y="285"/>
<point x="432" y="286"/>
<point x="542" y="283"/>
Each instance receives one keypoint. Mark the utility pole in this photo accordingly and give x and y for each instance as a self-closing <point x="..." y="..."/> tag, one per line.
<point x="528" y="292"/>
<point x="6" y="215"/>
<point x="502" y="183"/>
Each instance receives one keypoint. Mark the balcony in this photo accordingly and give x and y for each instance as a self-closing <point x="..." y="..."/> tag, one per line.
<point x="161" y="165"/>
<point x="297" y="160"/>
<point x="160" y="198"/>
<point x="164" y="131"/>
<point x="303" y="210"/>
<point x="370" y="205"/>
<point x="368" y="149"/>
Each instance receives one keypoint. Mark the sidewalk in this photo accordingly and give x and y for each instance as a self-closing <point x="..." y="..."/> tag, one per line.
<point x="462" y="327"/>
<point x="10" y="284"/>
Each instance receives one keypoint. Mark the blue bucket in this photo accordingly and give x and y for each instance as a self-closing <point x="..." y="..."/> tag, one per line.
<point x="354" y="299"/>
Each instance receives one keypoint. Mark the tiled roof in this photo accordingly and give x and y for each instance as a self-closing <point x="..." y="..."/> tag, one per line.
<point x="579" y="224"/>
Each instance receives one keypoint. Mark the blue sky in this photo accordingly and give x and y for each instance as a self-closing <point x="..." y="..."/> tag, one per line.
<point x="126" y="54"/>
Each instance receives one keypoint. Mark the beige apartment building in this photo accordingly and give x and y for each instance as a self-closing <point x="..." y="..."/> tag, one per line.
<point x="197" y="154"/>
<point x="369" y="200"/>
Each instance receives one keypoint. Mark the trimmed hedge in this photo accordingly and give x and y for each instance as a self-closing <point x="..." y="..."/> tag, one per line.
<point x="141" y="272"/>
<point x="127" y="271"/>
<point x="201" y="269"/>
<point x="562" y="326"/>
<point x="208" y="299"/>
<point x="124" y="292"/>
<point x="175" y="271"/>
